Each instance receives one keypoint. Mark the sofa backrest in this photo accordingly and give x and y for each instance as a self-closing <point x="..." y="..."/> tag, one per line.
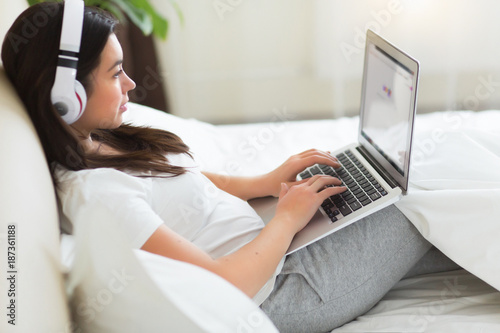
<point x="34" y="285"/>
<point x="9" y="11"/>
<point x="29" y="223"/>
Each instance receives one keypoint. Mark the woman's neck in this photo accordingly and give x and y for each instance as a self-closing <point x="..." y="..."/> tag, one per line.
<point x="85" y="139"/>
<point x="93" y="146"/>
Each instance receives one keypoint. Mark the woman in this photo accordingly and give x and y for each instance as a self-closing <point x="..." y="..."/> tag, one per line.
<point x="148" y="178"/>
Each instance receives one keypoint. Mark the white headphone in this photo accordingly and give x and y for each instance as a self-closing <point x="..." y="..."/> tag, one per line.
<point x="68" y="95"/>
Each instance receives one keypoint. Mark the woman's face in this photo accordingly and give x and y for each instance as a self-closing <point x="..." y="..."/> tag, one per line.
<point x="110" y="85"/>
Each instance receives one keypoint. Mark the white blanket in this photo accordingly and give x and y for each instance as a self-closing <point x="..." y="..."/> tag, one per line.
<point x="454" y="198"/>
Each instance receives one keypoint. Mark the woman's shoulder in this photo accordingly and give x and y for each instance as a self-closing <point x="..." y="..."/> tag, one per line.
<point x="97" y="181"/>
<point x="63" y="174"/>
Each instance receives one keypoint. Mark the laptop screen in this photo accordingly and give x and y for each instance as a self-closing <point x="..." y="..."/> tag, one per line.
<point x="388" y="105"/>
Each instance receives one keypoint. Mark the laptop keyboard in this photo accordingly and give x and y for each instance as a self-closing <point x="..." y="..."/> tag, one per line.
<point x="362" y="188"/>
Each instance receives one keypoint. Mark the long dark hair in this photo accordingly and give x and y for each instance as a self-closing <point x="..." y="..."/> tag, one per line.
<point x="29" y="55"/>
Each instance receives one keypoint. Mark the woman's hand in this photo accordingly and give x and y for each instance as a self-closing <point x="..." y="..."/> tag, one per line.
<point x="270" y="184"/>
<point x="287" y="172"/>
<point x="298" y="203"/>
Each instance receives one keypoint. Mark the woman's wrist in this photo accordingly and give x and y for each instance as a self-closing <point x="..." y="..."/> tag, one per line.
<point x="243" y="187"/>
<point x="283" y="228"/>
<point x="263" y="186"/>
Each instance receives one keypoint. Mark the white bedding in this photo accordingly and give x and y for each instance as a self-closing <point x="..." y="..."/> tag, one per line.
<point x="452" y="302"/>
<point x="454" y="201"/>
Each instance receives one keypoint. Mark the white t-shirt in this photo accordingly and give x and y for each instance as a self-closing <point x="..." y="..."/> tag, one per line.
<point x="190" y="204"/>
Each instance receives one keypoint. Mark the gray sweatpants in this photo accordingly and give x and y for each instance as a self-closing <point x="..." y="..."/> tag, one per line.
<point x="342" y="276"/>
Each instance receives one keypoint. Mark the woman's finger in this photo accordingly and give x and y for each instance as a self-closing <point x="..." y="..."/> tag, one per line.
<point x="329" y="191"/>
<point x="311" y="157"/>
<point x="318" y="182"/>
<point x="321" y="159"/>
<point x="317" y="153"/>
<point x="297" y="182"/>
<point x="283" y="190"/>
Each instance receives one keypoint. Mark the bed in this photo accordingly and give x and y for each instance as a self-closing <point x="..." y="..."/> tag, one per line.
<point x="450" y="151"/>
<point x="91" y="281"/>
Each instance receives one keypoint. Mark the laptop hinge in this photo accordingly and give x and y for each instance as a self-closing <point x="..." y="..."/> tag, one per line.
<point x="387" y="177"/>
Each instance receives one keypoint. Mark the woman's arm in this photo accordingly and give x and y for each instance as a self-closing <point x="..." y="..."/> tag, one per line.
<point x="269" y="184"/>
<point x="250" y="267"/>
<point x="245" y="188"/>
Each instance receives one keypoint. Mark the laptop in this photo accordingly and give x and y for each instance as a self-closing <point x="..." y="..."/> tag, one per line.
<point x="376" y="168"/>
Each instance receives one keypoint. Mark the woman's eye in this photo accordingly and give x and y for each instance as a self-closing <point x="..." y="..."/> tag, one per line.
<point x="118" y="73"/>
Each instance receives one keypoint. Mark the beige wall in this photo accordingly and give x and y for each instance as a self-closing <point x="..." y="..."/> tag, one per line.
<point x="304" y="56"/>
<point x="238" y="60"/>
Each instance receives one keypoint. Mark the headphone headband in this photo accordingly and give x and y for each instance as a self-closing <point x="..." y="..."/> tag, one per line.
<point x="68" y="95"/>
<point x="72" y="25"/>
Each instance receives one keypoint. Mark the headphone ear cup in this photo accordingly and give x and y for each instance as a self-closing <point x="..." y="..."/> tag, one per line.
<point x="81" y="95"/>
<point x="68" y="95"/>
<point x="69" y="102"/>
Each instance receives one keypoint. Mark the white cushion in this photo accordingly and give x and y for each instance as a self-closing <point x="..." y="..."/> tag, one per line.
<point x="113" y="289"/>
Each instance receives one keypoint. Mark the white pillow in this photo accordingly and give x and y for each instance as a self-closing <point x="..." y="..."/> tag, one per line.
<point x="113" y="288"/>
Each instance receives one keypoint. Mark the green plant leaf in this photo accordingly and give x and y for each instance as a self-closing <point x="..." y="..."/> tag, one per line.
<point x="137" y="15"/>
<point x="160" y="24"/>
<point x="178" y="10"/>
<point x="113" y="9"/>
<point x="140" y="12"/>
<point x="96" y="3"/>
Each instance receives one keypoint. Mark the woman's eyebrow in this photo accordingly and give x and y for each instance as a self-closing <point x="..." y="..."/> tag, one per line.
<point x="117" y="63"/>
